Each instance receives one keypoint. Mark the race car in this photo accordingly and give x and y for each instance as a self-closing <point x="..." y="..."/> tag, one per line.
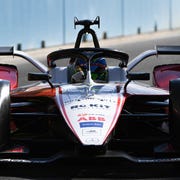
<point x="71" y="113"/>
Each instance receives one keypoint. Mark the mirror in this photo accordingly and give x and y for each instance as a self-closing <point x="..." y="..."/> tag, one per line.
<point x="38" y="76"/>
<point x="138" y="76"/>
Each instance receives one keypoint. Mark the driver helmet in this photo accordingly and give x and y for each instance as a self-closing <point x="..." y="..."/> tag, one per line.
<point x="81" y="63"/>
<point x="99" y="69"/>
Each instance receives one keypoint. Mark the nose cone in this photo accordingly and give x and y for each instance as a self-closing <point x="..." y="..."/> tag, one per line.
<point x="91" y="114"/>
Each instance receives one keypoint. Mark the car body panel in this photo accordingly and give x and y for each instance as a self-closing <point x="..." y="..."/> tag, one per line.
<point x="91" y="111"/>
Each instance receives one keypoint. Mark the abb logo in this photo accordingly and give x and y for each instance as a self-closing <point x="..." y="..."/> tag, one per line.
<point x="91" y="118"/>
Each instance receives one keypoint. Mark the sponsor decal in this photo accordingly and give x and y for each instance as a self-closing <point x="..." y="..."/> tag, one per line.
<point x="91" y="118"/>
<point x="90" y="114"/>
<point x="70" y="98"/>
<point x="91" y="124"/>
<point x="100" y="106"/>
<point x="91" y="132"/>
<point x="92" y="140"/>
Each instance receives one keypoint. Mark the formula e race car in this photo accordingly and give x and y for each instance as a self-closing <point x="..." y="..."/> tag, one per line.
<point x="71" y="115"/>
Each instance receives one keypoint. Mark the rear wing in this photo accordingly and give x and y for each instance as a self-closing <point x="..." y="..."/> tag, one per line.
<point x="10" y="51"/>
<point x="159" y="50"/>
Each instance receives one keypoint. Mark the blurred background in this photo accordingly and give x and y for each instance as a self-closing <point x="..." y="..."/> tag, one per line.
<point x="31" y="24"/>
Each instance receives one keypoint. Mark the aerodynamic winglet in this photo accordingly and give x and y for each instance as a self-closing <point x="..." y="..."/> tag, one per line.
<point x="7" y="50"/>
<point x="168" y="50"/>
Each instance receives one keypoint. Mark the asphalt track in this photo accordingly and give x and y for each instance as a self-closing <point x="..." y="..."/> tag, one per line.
<point x="133" y="45"/>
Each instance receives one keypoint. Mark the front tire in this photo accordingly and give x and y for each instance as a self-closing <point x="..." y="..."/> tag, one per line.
<point x="4" y="113"/>
<point x="174" y="111"/>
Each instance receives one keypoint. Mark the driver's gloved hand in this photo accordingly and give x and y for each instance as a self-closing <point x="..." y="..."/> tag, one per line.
<point x="78" y="76"/>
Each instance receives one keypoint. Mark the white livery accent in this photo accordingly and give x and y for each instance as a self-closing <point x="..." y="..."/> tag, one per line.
<point x="90" y="111"/>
